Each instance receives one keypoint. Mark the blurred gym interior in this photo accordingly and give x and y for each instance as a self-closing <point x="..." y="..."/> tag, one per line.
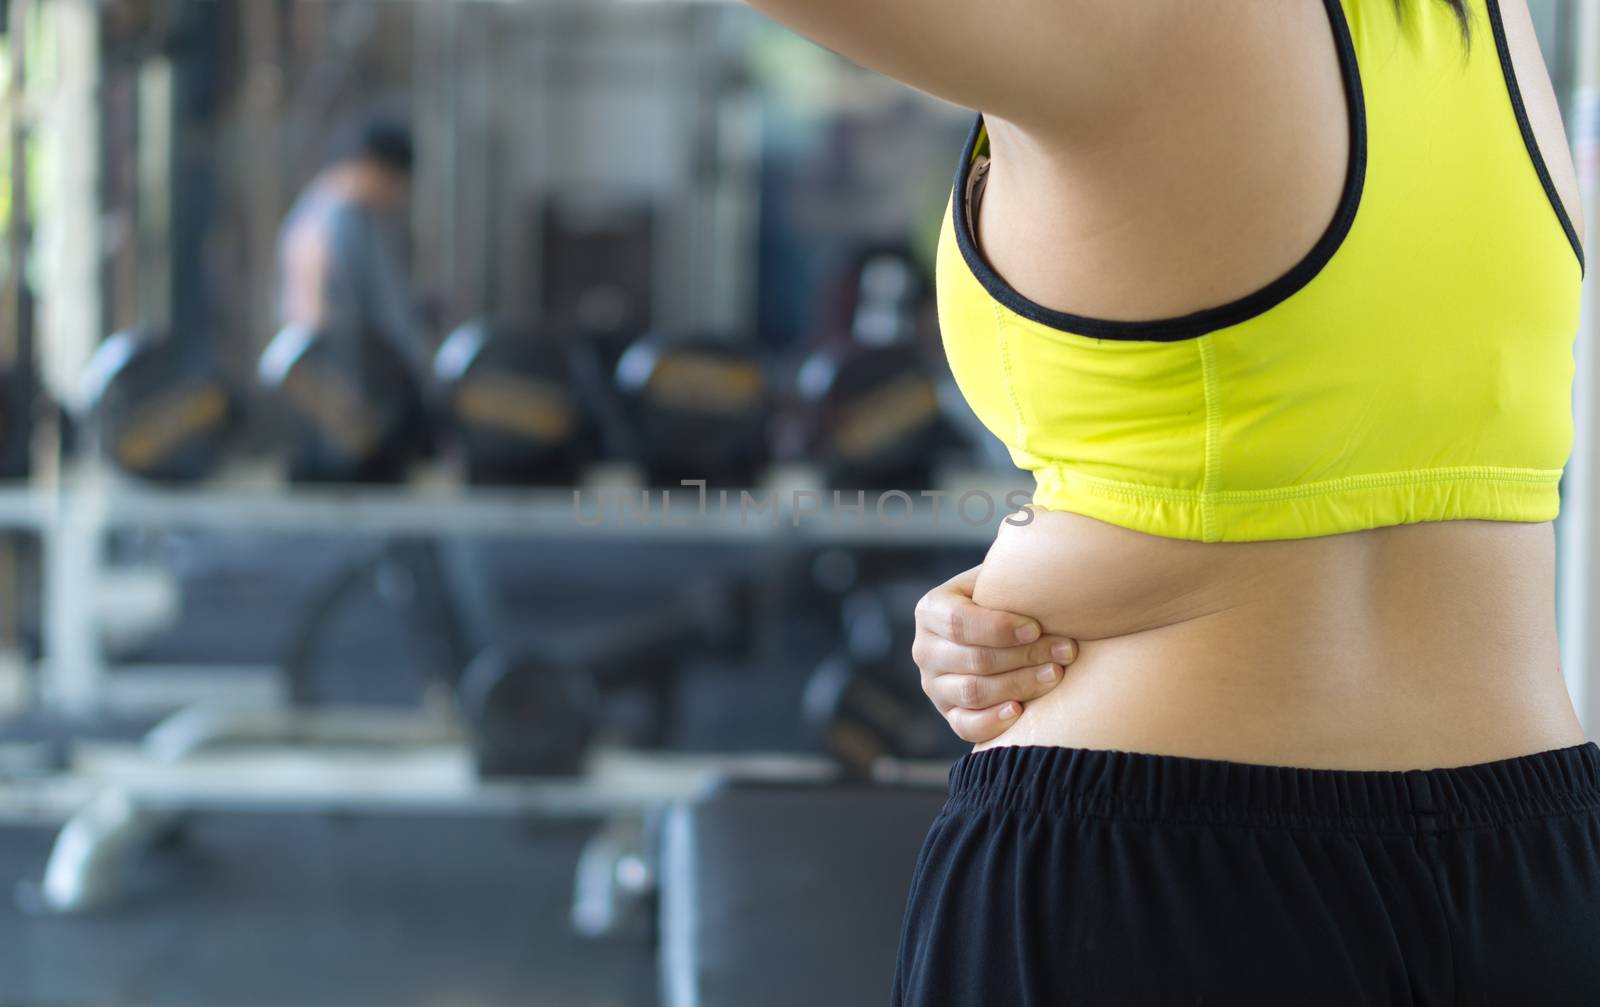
<point x="399" y="667"/>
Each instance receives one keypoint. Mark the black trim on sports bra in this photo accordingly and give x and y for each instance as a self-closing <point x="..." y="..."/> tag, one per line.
<point x="1528" y="139"/>
<point x="1205" y="320"/>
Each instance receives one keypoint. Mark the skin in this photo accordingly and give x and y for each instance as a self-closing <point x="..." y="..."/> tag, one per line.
<point x="1412" y="646"/>
<point x="361" y="180"/>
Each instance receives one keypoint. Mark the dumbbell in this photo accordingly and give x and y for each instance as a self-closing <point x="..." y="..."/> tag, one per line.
<point x="865" y="701"/>
<point x="859" y="718"/>
<point x="890" y="292"/>
<point x="535" y="708"/>
<point x="529" y="716"/>
<point x="158" y="412"/>
<point x="871" y="416"/>
<point x="876" y="298"/>
<point x="879" y="624"/>
<point x="512" y="405"/>
<point x="352" y="405"/>
<point x="699" y="408"/>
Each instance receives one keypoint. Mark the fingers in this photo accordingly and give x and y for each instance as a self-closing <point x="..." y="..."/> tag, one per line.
<point x="981" y="692"/>
<point x="938" y="656"/>
<point x="979" y="666"/>
<point x="948" y="611"/>
<point x="983" y="725"/>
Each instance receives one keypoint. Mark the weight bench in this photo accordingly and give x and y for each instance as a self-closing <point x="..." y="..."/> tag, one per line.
<point x="784" y="894"/>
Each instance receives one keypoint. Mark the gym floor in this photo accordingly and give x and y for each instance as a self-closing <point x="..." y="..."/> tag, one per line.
<point x="326" y="911"/>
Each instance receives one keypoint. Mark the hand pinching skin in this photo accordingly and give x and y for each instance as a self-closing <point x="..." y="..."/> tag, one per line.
<point x="980" y="666"/>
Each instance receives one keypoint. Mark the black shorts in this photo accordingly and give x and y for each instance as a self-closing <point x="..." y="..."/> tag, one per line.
<point x="1057" y="877"/>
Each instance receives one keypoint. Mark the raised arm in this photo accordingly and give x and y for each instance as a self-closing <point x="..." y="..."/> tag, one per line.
<point x="1051" y="64"/>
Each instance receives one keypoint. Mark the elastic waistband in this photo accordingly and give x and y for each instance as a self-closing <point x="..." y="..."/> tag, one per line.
<point x="1171" y="788"/>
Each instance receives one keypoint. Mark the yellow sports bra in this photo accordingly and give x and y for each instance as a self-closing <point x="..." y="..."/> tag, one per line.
<point x="1416" y="365"/>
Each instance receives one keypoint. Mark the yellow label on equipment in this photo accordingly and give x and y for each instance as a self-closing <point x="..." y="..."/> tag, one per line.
<point x="167" y="422"/>
<point x="336" y="407"/>
<point x="526" y="407"/>
<point x="888" y="413"/>
<point x="700" y="382"/>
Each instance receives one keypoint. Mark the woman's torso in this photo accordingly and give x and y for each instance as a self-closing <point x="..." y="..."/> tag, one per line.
<point x="1412" y="646"/>
<point x="1429" y="644"/>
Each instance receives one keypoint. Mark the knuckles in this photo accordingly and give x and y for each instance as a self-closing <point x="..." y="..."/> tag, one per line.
<point x="955" y="625"/>
<point x="920" y="652"/>
<point x="969" y="693"/>
<point x="978" y="661"/>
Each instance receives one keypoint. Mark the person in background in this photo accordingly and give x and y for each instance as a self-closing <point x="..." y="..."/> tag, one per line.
<point x="340" y="262"/>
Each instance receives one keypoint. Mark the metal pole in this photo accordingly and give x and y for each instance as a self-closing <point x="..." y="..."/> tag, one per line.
<point x="1578" y="563"/>
<point x="71" y="318"/>
<point x="268" y="75"/>
<point x="14" y="324"/>
<point x="72" y="323"/>
<point x="13" y="115"/>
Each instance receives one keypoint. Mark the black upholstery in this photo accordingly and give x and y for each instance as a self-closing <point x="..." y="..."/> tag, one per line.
<point x="777" y="895"/>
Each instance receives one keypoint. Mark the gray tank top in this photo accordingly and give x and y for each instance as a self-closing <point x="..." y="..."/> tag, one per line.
<point x="365" y="287"/>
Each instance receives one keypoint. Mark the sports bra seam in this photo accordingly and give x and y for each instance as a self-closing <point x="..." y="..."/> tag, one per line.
<point x="1219" y="317"/>
<point x="1380" y="480"/>
<point x="1208" y="384"/>
<point x="1530" y="142"/>
<point x="1005" y="366"/>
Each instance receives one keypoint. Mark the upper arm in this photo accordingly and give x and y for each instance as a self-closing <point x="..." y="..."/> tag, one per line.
<point x="305" y="272"/>
<point x="1033" y="62"/>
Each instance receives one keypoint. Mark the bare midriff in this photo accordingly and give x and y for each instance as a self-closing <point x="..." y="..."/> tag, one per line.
<point x="1415" y="646"/>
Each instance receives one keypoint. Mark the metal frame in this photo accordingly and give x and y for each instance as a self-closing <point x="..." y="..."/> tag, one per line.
<point x="72" y="524"/>
<point x="118" y="802"/>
